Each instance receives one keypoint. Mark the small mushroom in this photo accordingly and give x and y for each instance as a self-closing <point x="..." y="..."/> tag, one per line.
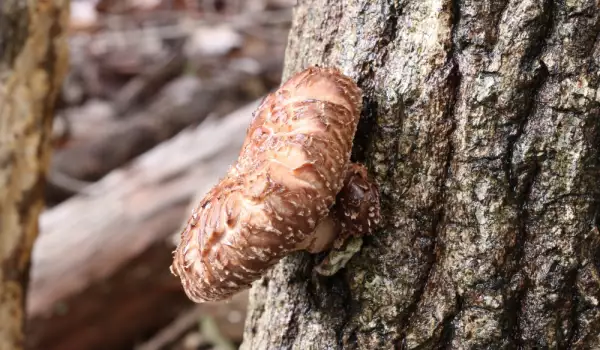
<point x="293" y="187"/>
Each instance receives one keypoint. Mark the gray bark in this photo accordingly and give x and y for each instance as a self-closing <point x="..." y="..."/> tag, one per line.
<point x="481" y="125"/>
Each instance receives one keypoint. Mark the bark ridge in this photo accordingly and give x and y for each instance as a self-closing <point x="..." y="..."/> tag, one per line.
<point x="480" y="124"/>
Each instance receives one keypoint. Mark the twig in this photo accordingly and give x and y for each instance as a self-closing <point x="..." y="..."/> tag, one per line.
<point x="151" y="80"/>
<point x="66" y="183"/>
<point x="173" y="331"/>
<point x="237" y="22"/>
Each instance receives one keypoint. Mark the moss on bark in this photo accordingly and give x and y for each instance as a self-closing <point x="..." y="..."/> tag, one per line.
<point x="481" y="125"/>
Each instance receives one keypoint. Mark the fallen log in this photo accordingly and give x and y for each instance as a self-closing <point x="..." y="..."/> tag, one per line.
<point x="183" y="102"/>
<point x="100" y="268"/>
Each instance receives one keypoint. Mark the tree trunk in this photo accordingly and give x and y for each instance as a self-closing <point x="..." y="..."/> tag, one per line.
<point x="481" y="125"/>
<point x="33" y="60"/>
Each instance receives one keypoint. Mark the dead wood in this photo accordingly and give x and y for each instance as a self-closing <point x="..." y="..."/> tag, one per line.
<point x="231" y="313"/>
<point x="183" y="102"/>
<point x="100" y="276"/>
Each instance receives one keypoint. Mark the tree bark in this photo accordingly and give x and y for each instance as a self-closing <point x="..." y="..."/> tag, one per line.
<point x="33" y="61"/>
<point x="481" y="125"/>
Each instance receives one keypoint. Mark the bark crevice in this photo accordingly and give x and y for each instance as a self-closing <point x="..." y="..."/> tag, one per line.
<point x="481" y="124"/>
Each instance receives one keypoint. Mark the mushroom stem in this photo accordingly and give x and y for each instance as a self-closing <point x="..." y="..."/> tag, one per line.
<point x="355" y="213"/>
<point x="322" y="239"/>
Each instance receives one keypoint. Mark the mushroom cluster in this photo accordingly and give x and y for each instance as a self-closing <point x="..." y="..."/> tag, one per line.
<point x="293" y="187"/>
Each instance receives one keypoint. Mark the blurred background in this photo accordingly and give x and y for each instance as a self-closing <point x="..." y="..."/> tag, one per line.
<point x="152" y="113"/>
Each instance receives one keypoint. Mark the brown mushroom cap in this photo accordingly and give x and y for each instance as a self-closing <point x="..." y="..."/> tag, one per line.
<point x="289" y="171"/>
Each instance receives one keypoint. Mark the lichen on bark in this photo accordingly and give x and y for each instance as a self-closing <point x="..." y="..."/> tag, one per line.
<point x="481" y="126"/>
<point x="33" y="61"/>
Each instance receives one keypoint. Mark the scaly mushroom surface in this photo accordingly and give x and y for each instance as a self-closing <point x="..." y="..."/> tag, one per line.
<point x="293" y="187"/>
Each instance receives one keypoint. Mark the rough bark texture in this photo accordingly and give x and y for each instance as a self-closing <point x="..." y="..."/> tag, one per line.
<point x="481" y="125"/>
<point x="33" y="61"/>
